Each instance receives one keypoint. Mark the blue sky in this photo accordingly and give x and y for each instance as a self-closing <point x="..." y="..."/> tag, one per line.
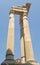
<point x="34" y="23"/>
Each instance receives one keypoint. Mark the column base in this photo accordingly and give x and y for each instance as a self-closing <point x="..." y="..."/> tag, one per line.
<point x="32" y="62"/>
<point x="7" y="62"/>
<point x="23" y="59"/>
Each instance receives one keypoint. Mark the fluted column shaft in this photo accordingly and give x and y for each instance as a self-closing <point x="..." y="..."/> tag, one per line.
<point x="10" y="38"/>
<point x="27" y="39"/>
<point x="22" y="40"/>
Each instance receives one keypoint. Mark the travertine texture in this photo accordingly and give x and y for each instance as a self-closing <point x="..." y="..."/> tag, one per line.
<point x="27" y="39"/>
<point x="10" y="38"/>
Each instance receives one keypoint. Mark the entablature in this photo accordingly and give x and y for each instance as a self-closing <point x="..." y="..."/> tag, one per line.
<point x="20" y="9"/>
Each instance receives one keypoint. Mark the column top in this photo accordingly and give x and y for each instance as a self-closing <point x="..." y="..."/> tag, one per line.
<point x="20" y="9"/>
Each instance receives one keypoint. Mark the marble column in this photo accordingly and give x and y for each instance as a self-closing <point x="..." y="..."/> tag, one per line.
<point x="27" y="39"/>
<point x="22" y="40"/>
<point x="10" y="38"/>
